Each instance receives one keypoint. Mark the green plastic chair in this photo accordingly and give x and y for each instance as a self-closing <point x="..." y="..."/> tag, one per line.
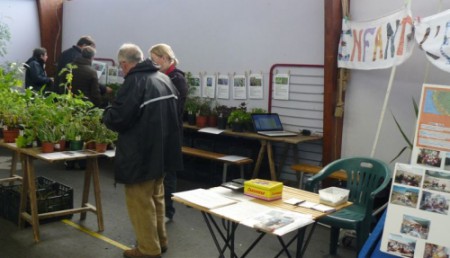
<point x="366" y="177"/>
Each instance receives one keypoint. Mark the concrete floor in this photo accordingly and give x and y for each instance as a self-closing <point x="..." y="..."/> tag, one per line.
<point x="188" y="234"/>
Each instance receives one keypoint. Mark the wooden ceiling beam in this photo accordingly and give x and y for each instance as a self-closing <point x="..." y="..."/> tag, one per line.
<point x="332" y="135"/>
<point x="50" y="25"/>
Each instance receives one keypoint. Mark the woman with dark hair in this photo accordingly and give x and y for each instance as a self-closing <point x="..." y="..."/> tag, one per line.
<point x="35" y="75"/>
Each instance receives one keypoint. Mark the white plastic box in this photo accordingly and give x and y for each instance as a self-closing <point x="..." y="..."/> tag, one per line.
<point x="333" y="196"/>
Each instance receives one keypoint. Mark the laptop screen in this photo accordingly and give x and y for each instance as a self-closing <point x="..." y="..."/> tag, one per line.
<point x="267" y="122"/>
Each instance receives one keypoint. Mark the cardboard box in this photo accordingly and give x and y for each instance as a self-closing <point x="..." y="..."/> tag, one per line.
<point x="263" y="189"/>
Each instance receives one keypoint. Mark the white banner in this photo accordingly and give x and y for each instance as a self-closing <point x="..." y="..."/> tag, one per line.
<point x="432" y="35"/>
<point x="376" y="44"/>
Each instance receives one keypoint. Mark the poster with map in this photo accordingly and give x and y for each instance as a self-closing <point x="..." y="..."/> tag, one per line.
<point x="419" y="204"/>
<point x="432" y="139"/>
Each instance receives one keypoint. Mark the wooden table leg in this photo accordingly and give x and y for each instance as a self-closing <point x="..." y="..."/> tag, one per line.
<point x="13" y="170"/>
<point x="283" y="159"/>
<point x="30" y="189"/>
<point x="86" y="188"/>
<point x="24" y="194"/>
<point x="262" y="149"/>
<point x="93" y="171"/>
<point x="273" y="173"/>
<point x="97" y="192"/>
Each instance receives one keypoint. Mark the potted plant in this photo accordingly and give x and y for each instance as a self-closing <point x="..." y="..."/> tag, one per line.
<point x="239" y="120"/>
<point x="212" y="117"/>
<point x="49" y="135"/>
<point x="204" y="110"/>
<point x="192" y="106"/>
<point x="223" y="112"/>
<point x="73" y="133"/>
<point x="103" y="137"/>
<point x="12" y="112"/>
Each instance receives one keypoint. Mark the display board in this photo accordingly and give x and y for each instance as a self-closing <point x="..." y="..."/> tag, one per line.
<point x="418" y="211"/>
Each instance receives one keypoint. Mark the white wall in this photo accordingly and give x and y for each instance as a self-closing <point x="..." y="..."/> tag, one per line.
<point x="21" y="16"/>
<point x="212" y="36"/>
<point x="240" y="35"/>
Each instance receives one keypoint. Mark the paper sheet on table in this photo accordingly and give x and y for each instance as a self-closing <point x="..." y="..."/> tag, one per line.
<point x="110" y="153"/>
<point x="232" y="158"/>
<point x="241" y="211"/>
<point x="204" y="198"/>
<point x="65" y="154"/>
<point x="211" y="130"/>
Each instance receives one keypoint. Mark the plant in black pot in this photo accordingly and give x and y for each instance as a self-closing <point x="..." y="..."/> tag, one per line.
<point x="192" y="106"/>
<point x="239" y="120"/>
<point x="223" y="112"/>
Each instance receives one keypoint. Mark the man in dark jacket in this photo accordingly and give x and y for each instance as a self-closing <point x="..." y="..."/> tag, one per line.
<point x="35" y="75"/>
<point x="68" y="56"/>
<point x="144" y="114"/>
<point x="85" y="79"/>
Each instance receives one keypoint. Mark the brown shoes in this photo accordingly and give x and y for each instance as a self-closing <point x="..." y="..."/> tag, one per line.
<point x="135" y="253"/>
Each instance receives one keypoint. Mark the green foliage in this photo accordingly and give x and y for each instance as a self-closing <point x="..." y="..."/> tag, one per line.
<point x="26" y="139"/>
<point x="114" y="87"/>
<point x="96" y="130"/>
<point x="68" y="76"/>
<point x="192" y="105"/>
<point x="5" y="37"/>
<point x="258" y="111"/>
<point x="224" y="110"/>
<point x="405" y="137"/>
<point x="10" y="75"/>
<point x="239" y="116"/>
<point x="204" y="108"/>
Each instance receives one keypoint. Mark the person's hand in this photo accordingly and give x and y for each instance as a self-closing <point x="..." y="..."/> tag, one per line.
<point x="109" y="90"/>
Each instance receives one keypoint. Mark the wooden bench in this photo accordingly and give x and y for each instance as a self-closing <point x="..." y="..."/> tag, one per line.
<point x="303" y="168"/>
<point x="217" y="157"/>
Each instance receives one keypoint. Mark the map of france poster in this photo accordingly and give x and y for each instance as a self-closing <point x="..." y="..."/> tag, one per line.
<point x="432" y="140"/>
<point x="419" y="204"/>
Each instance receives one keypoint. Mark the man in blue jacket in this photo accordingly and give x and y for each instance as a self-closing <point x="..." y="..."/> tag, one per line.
<point x="144" y="114"/>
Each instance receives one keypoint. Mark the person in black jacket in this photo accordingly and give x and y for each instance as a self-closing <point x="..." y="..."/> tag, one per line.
<point x="145" y="115"/>
<point x="35" y="75"/>
<point x="163" y="56"/>
<point x="85" y="79"/>
<point x="68" y="56"/>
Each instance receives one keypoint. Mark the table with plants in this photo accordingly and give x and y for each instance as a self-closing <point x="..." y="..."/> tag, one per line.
<point x="51" y="127"/>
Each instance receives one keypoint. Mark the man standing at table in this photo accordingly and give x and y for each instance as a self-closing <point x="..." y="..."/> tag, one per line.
<point x="144" y="114"/>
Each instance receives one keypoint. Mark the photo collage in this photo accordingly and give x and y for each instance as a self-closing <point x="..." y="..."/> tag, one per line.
<point x="418" y="212"/>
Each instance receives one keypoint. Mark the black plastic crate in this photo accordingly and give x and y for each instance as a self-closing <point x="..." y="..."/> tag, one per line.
<point x="50" y="195"/>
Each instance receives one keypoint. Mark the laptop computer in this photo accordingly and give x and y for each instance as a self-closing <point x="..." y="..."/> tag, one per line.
<point x="269" y="124"/>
